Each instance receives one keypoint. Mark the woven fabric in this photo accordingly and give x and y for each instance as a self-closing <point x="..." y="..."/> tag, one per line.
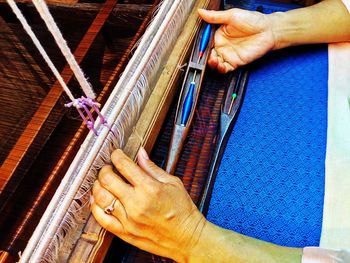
<point x="270" y="184"/>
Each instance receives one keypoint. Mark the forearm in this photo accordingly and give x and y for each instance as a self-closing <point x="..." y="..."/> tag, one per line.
<point x="220" y="245"/>
<point x="325" y="22"/>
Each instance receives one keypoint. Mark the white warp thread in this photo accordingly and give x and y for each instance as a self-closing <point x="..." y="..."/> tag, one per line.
<point x="62" y="44"/>
<point x="38" y="45"/>
<point x="60" y="226"/>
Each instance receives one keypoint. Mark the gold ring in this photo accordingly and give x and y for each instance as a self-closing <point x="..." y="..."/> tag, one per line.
<point x="109" y="209"/>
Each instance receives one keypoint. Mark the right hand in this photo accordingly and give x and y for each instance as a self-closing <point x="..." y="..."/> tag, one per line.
<point x="151" y="208"/>
<point x="242" y="37"/>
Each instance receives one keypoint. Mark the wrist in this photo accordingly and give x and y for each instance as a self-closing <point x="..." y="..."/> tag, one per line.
<point x="279" y="28"/>
<point x="201" y="251"/>
<point x="220" y="245"/>
<point x="325" y="22"/>
<point x="186" y="245"/>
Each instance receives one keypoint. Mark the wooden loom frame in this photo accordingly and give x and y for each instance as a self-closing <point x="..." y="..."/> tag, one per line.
<point x="95" y="241"/>
<point x="52" y="99"/>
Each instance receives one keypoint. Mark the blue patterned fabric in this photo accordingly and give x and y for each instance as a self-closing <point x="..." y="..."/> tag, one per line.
<point x="264" y="6"/>
<point x="270" y="184"/>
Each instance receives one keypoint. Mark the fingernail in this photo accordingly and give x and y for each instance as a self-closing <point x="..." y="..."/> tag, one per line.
<point x="92" y="199"/>
<point x="143" y="153"/>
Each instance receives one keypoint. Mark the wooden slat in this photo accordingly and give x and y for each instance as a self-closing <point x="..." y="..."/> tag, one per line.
<point x="5" y="257"/>
<point x="67" y="2"/>
<point x="32" y="129"/>
<point x="20" y="78"/>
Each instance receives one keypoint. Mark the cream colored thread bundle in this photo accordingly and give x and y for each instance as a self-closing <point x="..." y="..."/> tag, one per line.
<point x="62" y="44"/>
<point x="38" y="45"/>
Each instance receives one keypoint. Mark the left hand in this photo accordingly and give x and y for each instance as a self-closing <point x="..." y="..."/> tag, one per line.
<point x="243" y="37"/>
<point x="152" y="209"/>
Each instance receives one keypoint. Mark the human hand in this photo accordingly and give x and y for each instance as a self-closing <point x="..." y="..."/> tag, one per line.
<point x="152" y="209"/>
<point x="242" y="37"/>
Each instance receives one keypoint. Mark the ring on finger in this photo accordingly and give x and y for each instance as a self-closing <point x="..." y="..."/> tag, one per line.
<point x="109" y="209"/>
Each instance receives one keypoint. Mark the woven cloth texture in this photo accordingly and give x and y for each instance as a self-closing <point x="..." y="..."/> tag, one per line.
<point x="270" y="184"/>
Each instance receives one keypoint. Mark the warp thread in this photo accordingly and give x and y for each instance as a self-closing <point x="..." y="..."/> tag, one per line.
<point x="61" y="224"/>
<point x="122" y="126"/>
<point x="45" y="14"/>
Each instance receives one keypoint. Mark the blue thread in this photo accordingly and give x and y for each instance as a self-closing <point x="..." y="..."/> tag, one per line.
<point x="270" y="184"/>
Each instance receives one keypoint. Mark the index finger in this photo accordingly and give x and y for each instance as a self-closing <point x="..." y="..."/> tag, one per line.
<point x="215" y="17"/>
<point x="128" y="169"/>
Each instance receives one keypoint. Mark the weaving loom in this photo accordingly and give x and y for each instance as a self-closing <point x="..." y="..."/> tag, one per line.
<point x="16" y="171"/>
<point x="63" y="134"/>
<point x="104" y="56"/>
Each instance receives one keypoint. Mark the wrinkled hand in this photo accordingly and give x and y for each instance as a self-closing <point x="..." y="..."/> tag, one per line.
<point x="242" y="37"/>
<point x="152" y="210"/>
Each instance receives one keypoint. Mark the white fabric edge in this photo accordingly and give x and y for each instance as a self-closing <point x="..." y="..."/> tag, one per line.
<point x="336" y="211"/>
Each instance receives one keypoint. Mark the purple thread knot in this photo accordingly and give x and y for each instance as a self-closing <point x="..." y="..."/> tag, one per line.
<point x="84" y="103"/>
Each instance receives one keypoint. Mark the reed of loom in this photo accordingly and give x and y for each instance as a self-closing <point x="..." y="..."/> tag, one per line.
<point x="80" y="177"/>
<point x="154" y="114"/>
<point x="150" y="122"/>
<point x="14" y="240"/>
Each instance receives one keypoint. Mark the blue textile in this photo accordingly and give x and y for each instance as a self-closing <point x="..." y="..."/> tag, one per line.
<point x="270" y="184"/>
<point x="264" y="6"/>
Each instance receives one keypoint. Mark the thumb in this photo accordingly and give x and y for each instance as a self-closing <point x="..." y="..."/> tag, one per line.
<point x="215" y="17"/>
<point x="150" y="167"/>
